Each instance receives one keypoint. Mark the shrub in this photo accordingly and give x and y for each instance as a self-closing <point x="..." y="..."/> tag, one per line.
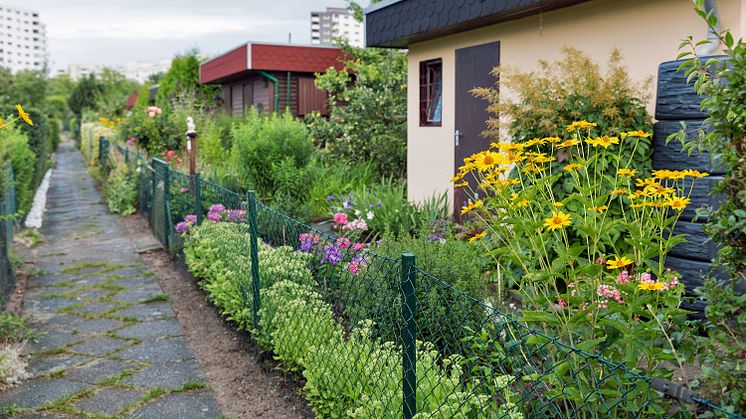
<point x="334" y="177"/>
<point x="14" y="148"/>
<point x="262" y="142"/>
<point x="90" y="132"/>
<point x="121" y="186"/>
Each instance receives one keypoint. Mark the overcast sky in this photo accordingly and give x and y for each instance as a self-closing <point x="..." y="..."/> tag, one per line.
<point x="113" y="32"/>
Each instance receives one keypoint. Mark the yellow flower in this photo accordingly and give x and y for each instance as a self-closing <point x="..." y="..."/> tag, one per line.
<point x="640" y="133"/>
<point x="604" y="141"/>
<point x="573" y="167"/>
<point x="618" y="263"/>
<point x="578" y="125"/>
<point x="471" y="206"/>
<point x="617" y="192"/>
<point x="558" y="204"/>
<point x="522" y="203"/>
<point x="677" y="202"/>
<point x="658" y="190"/>
<point x="460" y="185"/>
<point x="695" y="173"/>
<point x="557" y="220"/>
<point x="459" y="176"/>
<point x="626" y="172"/>
<point x="477" y="236"/>
<point x="668" y="174"/>
<point x="636" y="206"/>
<point x="25" y="116"/>
<point x="535" y="141"/>
<point x="651" y="286"/>
<point x="485" y="160"/>
<point x="568" y="143"/>
<point x="645" y="182"/>
<point x="2" y="123"/>
<point x="552" y="140"/>
<point x="541" y="158"/>
<point x="602" y="209"/>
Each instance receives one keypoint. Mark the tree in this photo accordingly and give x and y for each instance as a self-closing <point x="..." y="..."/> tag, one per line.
<point x="84" y="95"/>
<point x="183" y="76"/>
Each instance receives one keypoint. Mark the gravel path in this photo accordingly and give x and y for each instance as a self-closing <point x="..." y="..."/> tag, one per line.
<point x="109" y="343"/>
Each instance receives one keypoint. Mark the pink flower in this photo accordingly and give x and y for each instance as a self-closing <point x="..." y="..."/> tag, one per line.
<point x="171" y="153"/>
<point x="645" y="277"/>
<point x="151" y="114"/>
<point x="607" y="291"/>
<point x="358" y="224"/>
<point x="563" y="303"/>
<point x="340" y="218"/>
<point x="184" y="190"/>
<point x="600" y="261"/>
<point x="623" y="277"/>
<point x="343" y="242"/>
<point x="354" y="267"/>
<point x="358" y="247"/>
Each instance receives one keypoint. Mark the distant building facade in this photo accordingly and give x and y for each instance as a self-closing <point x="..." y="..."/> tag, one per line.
<point x="336" y="22"/>
<point x="141" y="71"/>
<point x="23" y="39"/>
<point x="78" y="71"/>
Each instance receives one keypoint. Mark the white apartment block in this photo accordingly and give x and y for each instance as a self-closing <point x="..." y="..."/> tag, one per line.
<point x="78" y="71"/>
<point x="141" y="71"/>
<point x="336" y="22"/>
<point x="23" y="39"/>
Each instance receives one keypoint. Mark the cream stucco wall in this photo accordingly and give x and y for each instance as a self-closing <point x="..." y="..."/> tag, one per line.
<point x="647" y="32"/>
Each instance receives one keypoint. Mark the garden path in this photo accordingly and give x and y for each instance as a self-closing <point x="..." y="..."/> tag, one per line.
<point x="110" y="345"/>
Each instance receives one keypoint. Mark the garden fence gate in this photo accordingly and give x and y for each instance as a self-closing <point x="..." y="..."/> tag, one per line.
<point x="452" y="355"/>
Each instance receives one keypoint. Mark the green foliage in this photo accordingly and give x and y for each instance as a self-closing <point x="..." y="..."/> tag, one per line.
<point x="722" y="83"/>
<point x="330" y="177"/>
<point x="26" y="87"/>
<point x="367" y="102"/>
<point x="84" y="95"/>
<point x="114" y="90"/>
<point x="385" y="208"/>
<point x="14" y="147"/>
<point x="183" y="75"/>
<point x="120" y="188"/>
<point x="724" y="348"/>
<point x="260" y="143"/>
<point x="13" y="328"/>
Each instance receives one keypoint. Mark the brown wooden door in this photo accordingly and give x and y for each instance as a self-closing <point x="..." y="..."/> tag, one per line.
<point x="473" y="67"/>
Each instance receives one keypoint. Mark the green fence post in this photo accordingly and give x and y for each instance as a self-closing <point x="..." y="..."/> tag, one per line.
<point x="254" y="257"/>
<point x="409" y="332"/>
<point x="127" y="156"/>
<point x="198" y="198"/>
<point x="166" y="197"/>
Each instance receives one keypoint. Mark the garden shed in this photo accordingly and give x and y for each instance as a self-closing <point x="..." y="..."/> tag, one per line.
<point x="453" y="46"/>
<point x="271" y="77"/>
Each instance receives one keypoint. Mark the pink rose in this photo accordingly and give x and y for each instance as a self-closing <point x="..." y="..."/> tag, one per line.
<point x="340" y="218"/>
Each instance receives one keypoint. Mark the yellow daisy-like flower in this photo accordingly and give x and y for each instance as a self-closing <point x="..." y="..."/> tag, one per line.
<point x="552" y="140"/>
<point x="578" y="125"/>
<point x="651" y="286"/>
<point x="485" y="160"/>
<point x="605" y="141"/>
<point x="535" y="141"/>
<point x="522" y="203"/>
<point x="658" y="190"/>
<point x="572" y="167"/>
<point x="695" y="173"/>
<point x="602" y="209"/>
<point x="558" y="204"/>
<point x="568" y="143"/>
<point x="459" y="176"/>
<point x="668" y="174"/>
<point x="2" y="123"/>
<point x="25" y="116"/>
<point x="471" y="206"/>
<point x="541" y="158"/>
<point x="626" y="172"/>
<point x="460" y="184"/>
<point x="617" y="263"/>
<point x="637" y="206"/>
<point x="477" y="236"/>
<point x="557" y="221"/>
<point x="677" y="202"/>
<point x="639" y="133"/>
<point x="618" y="192"/>
<point x="640" y="183"/>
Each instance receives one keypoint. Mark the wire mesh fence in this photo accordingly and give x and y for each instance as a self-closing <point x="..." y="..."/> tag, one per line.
<point x="375" y="336"/>
<point x="8" y="216"/>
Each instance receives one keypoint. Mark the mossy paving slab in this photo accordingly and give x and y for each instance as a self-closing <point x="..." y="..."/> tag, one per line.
<point x="193" y="405"/>
<point x="87" y="267"/>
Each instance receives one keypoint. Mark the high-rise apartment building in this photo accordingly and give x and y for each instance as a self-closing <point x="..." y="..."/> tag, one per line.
<point x="23" y="39"/>
<point x="336" y="22"/>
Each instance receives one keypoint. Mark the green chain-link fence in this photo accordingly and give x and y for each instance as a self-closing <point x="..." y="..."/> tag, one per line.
<point x="8" y="215"/>
<point x="380" y="333"/>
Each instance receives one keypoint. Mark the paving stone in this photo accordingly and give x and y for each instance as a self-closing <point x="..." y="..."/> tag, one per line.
<point x="135" y="282"/>
<point x="99" y="345"/>
<point x="128" y="271"/>
<point x="158" y="350"/>
<point x="43" y="415"/>
<point x="55" y="321"/>
<point x="191" y="405"/>
<point x="135" y="295"/>
<point x="169" y="375"/>
<point x="98" y="370"/>
<point x="91" y="294"/>
<point x="50" y="280"/>
<point x="145" y="312"/>
<point x="39" y="391"/>
<point x="98" y="326"/>
<point x="96" y="308"/>
<point x="91" y="280"/>
<point x="48" y="364"/>
<point x="109" y="401"/>
<point x="152" y="329"/>
<point x="53" y="340"/>
<point x="44" y="305"/>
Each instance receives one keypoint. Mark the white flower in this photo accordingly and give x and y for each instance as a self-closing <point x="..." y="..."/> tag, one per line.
<point x="357" y="213"/>
<point x="369" y="215"/>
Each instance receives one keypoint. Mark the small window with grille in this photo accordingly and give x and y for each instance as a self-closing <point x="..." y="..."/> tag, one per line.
<point x="431" y="92"/>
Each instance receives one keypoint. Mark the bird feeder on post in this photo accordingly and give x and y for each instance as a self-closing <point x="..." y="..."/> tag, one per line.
<point x="191" y="145"/>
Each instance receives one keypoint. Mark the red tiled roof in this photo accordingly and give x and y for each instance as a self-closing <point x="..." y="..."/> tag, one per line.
<point x="131" y="100"/>
<point x="270" y="57"/>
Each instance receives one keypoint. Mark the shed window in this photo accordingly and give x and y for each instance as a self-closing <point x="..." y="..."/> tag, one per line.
<point x="431" y="92"/>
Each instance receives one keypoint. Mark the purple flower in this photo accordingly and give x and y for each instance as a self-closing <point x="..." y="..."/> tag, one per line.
<point x="184" y="190"/>
<point x="433" y="237"/>
<point x="183" y="227"/>
<point x="191" y="218"/>
<point x="217" y="208"/>
<point x="235" y="215"/>
<point x="332" y="254"/>
<point x="379" y="204"/>
<point x="214" y="216"/>
<point x="330" y="198"/>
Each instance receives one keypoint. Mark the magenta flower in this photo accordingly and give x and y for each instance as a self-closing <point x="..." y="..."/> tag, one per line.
<point x="623" y="277"/>
<point x="214" y="216"/>
<point x="340" y="218"/>
<point x="217" y="208"/>
<point x="191" y="218"/>
<point x="343" y="242"/>
<point x="332" y="254"/>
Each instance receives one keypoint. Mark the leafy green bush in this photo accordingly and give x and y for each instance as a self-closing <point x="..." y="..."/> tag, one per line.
<point x="121" y="187"/>
<point x="14" y="147"/>
<point x="334" y="177"/>
<point x="262" y="142"/>
<point x="183" y="75"/>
